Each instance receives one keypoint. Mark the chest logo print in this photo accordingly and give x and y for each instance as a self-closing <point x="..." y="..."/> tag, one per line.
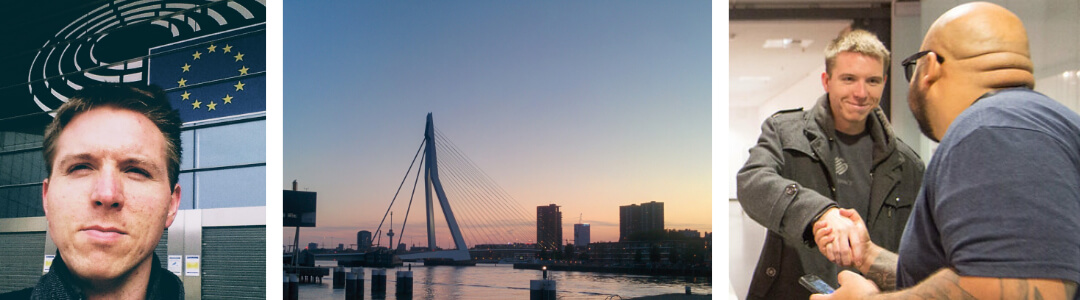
<point x="841" y="166"/>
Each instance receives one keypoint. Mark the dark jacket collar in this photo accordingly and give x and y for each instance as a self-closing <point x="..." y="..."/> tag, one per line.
<point x="876" y="123"/>
<point x="59" y="283"/>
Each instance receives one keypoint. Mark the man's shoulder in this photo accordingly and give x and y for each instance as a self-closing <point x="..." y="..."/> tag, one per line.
<point x="787" y="113"/>
<point x="787" y="119"/>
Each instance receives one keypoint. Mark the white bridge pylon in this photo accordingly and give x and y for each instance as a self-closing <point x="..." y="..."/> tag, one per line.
<point x="432" y="183"/>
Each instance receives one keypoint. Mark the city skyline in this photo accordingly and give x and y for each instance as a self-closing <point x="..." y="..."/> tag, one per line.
<point x="582" y="105"/>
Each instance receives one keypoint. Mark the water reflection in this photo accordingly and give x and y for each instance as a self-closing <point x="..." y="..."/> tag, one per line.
<point x="504" y="282"/>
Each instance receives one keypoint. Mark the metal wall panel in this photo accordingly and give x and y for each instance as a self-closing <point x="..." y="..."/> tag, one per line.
<point x="21" y="261"/>
<point x="162" y="250"/>
<point x="234" y="263"/>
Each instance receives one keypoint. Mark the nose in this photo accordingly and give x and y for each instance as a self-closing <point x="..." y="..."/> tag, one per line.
<point x="108" y="190"/>
<point x="860" y="90"/>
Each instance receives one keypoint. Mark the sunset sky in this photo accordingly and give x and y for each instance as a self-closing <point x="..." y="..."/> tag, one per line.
<point x="588" y="105"/>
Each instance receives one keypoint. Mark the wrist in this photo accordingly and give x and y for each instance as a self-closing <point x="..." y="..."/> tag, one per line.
<point x="808" y="233"/>
<point x="820" y="215"/>
<point x="872" y="253"/>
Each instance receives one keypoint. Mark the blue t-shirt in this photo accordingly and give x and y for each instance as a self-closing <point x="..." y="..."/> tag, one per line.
<point x="1001" y="196"/>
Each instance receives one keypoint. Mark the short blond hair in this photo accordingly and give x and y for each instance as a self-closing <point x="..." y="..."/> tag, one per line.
<point x="857" y="41"/>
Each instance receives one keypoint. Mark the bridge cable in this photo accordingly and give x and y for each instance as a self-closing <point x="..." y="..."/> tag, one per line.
<point x="379" y="229"/>
<point x="409" y="207"/>
<point x="472" y="178"/>
<point x="488" y="186"/>
<point x="484" y="198"/>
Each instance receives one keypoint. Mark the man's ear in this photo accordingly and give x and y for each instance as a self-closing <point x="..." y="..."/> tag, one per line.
<point x="825" y="81"/>
<point x="933" y="70"/>
<point x="174" y="205"/>
<point x="45" y="196"/>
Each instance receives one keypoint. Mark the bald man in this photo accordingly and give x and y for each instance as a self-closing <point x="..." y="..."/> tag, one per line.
<point x="998" y="216"/>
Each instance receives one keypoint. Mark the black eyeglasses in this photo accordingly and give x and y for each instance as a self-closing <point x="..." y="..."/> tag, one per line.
<point x="909" y="63"/>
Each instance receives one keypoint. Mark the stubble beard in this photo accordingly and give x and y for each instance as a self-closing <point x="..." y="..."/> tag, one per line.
<point x="917" y="101"/>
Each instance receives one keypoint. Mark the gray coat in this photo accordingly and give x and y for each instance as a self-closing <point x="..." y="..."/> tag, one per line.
<point x="788" y="180"/>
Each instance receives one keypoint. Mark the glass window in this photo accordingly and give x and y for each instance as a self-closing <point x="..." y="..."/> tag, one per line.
<point x="187" y="146"/>
<point x="233" y="144"/>
<point x="231" y="188"/>
<point x="21" y="167"/>
<point x="21" y="202"/>
<point x="187" y="190"/>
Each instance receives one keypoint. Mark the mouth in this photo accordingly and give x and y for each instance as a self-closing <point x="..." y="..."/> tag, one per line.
<point x="103" y="233"/>
<point x="863" y="106"/>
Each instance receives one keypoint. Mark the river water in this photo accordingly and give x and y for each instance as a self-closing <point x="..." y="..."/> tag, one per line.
<point x="504" y="282"/>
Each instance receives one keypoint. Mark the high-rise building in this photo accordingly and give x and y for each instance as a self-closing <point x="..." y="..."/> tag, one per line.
<point x="549" y="227"/>
<point x="629" y="216"/>
<point x="581" y="235"/>
<point x="363" y="240"/>
<point x="652" y="216"/>
<point x="640" y="219"/>
<point x="312" y="246"/>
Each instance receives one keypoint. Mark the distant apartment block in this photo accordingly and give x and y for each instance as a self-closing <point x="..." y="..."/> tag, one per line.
<point x="635" y="220"/>
<point x="581" y="235"/>
<point x="548" y="227"/>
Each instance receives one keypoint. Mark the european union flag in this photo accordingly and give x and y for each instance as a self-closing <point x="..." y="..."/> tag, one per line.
<point x="213" y="76"/>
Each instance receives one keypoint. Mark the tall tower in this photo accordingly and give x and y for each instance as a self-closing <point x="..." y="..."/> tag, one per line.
<point x="548" y="227"/>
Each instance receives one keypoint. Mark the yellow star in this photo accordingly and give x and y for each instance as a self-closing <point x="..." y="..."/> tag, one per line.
<point x="185" y="95"/>
<point x="227" y="48"/>
<point x="239" y="56"/>
<point x="197" y="55"/>
<point x="196" y="104"/>
<point x="211" y="48"/>
<point x="186" y="67"/>
<point x="239" y="86"/>
<point x="244" y="70"/>
<point x="211" y="106"/>
<point x="228" y="99"/>
<point x="182" y="82"/>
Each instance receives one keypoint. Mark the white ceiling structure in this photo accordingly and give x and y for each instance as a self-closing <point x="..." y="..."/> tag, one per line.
<point x="757" y="73"/>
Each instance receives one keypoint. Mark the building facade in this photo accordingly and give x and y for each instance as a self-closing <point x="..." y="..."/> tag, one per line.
<point x="363" y="240"/>
<point x="638" y="220"/>
<point x="581" y="235"/>
<point x="548" y="227"/>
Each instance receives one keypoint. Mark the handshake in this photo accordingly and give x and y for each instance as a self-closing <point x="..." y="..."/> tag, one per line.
<point x="842" y="237"/>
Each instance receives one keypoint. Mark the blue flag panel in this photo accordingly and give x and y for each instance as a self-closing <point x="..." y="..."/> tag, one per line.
<point x="213" y="76"/>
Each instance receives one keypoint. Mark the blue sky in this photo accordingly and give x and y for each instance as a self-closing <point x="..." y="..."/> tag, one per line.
<point x="585" y="104"/>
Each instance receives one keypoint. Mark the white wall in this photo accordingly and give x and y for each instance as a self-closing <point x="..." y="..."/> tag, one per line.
<point x="745" y="123"/>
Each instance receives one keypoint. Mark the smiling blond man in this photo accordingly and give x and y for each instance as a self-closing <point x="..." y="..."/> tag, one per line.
<point x="113" y="156"/>
<point x="841" y="153"/>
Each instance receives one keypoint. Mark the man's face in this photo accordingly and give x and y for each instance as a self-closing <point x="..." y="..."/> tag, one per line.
<point x="108" y="198"/>
<point x="854" y="88"/>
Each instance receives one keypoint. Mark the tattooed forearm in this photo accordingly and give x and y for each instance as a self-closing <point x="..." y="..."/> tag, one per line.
<point x="947" y="284"/>
<point x="883" y="271"/>
<point x="942" y="285"/>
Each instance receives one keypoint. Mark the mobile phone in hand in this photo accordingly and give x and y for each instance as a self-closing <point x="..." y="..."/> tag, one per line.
<point x="815" y="284"/>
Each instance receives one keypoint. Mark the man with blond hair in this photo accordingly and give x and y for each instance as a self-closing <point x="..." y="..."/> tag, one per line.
<point x="841" y="153"/>
<point x="999" y="213"/>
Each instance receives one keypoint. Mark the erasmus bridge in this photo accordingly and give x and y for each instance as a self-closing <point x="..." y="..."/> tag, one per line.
<point x="475" y="210"/>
